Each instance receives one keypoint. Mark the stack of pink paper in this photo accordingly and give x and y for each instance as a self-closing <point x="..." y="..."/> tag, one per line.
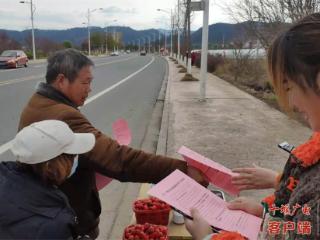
<point x="183" y="193"/>
<point x="216" y="173"/>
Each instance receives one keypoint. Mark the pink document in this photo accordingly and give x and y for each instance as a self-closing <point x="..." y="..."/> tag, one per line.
<point x="122" y="133"/>
<point x="216" y="173"/>
<point x="183" y="193"/>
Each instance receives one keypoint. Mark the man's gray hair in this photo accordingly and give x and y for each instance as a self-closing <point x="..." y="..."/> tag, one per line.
<point x="67" y="62"/>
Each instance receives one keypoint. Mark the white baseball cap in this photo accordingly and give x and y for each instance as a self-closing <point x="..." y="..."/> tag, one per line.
<point x="45" y="140"/>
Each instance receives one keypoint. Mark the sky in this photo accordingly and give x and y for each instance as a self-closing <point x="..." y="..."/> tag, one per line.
<point x="65" y="14"/>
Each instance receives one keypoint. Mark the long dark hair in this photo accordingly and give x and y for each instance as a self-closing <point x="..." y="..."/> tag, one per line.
<point x="294" y="56"/>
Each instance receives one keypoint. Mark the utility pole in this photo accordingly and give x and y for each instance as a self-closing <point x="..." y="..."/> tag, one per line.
<point x="106" y="29"/>
<point x="188" y="10"/>
<point x="171" y="52"/>
<point x="165" y="42"/>
<point x="203" y="6"/>
<point x="114" y="39"/>
<point x="32" y="9"/>
<point x="171" y="23"/>
<point x="33" y="43"/>
<point x="159" y="42"/>
<point x="154" y="43"/>
<point x="89" y="37"/>
<point x="118" y="40"/>
<point x="204" y="51"/>
<point x="178" y="26"/>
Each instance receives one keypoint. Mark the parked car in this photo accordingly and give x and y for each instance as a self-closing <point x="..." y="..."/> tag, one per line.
<point x="128" y="51"/>
<point x="115" y="53"/>
<point x="143" y="53"/>
<point x="13" y="59"/>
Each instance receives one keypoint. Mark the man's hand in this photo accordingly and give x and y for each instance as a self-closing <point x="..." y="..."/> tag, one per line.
<point x="197" y="176"/>
<point x="197" y="227"/>
<point x="247" y="205"/>
<point x="254" y="178"/>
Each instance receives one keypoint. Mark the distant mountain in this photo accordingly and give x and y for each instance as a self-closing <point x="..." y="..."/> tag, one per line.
<point x="218" y="33"/>
<point x="78" y="35"/>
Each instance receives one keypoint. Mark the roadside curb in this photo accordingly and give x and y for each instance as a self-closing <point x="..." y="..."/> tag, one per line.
<point x="150" y="142"/>
<point x="164" y="96"/>
<point x="42" y="60"/>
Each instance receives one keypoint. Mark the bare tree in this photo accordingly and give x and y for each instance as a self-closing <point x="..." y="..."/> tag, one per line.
<point x="45" y="46"/>
<point x="186" y="15"/>
<point x="296" y="9"/>
<point x="265" y="18"/>
<point x="178" y="20"/>
<point x="7" y="42"/>
<point x="188" y="20"/>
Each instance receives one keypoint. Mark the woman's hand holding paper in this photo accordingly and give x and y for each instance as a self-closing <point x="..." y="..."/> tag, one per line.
<point x="254" y="178"/>
<point x="247" y="205"/>
<point x="197" y="227"/>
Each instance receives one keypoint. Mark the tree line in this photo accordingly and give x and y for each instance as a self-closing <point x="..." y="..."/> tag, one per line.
<point x="45" y="46"/>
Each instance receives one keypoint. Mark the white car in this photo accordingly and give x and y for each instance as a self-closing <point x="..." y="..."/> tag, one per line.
<point x="115" y="53"/>
<point x="143" y="53"/>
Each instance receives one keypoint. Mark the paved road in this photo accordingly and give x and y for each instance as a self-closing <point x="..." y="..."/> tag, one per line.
<point x="123" y="87"/>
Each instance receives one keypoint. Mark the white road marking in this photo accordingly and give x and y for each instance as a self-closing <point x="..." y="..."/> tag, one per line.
<point x="38" y="66"/>
<point x="117" y="84"/>
<point x="17" y="80"/>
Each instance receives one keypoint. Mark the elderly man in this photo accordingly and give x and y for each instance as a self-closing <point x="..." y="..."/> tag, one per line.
<point x="68" y="81"/>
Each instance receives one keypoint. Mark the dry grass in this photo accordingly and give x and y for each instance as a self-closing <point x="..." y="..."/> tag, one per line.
<point x="183" y="70"/>
<point x="189" y="77"/>
<point x="252" y="73"/>
<point x="253" y="79"/>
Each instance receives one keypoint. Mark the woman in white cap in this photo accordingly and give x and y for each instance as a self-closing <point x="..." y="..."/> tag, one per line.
<point x="31" y="206"/>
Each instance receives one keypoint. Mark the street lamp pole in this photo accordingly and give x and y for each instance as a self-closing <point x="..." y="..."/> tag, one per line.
<point x="89" y="37"/>
<point x="171" y="22"/>
<point x="89" y="40"/>
<point x="32" y="9"/>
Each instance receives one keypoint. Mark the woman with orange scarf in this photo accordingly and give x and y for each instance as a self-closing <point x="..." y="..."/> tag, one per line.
<point x="293" y="209"/>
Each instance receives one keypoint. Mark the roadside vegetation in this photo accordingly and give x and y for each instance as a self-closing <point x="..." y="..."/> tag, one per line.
<point x="45" y="46"/>
<point x="261" y="21"/>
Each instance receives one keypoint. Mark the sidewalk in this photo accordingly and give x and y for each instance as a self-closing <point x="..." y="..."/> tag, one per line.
<point x="231" y="127"/>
